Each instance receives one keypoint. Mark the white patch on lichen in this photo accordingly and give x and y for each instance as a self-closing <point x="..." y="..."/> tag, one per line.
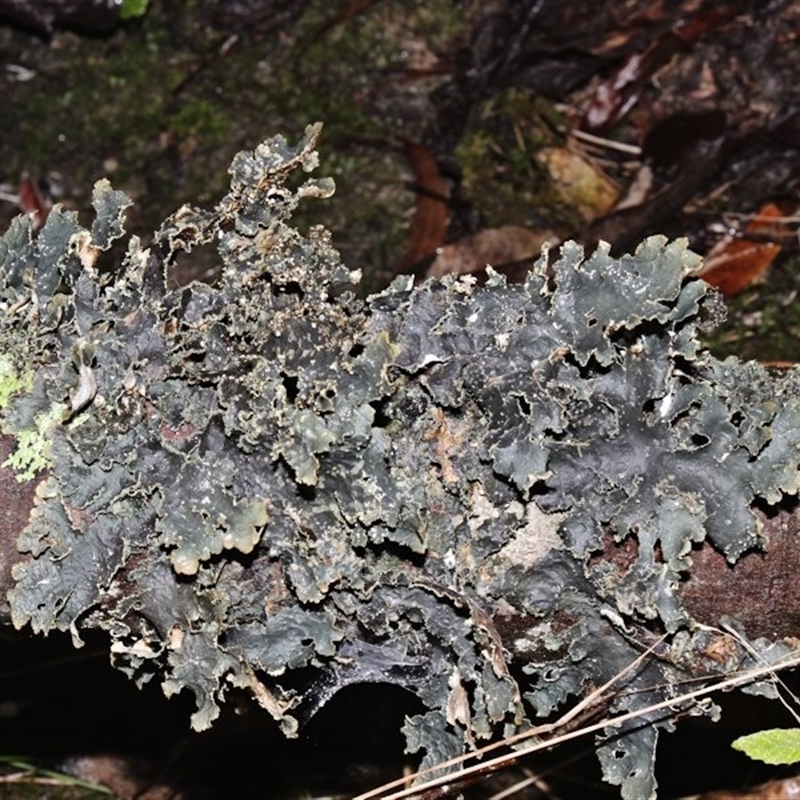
<point x="535" y="539"/>
<point x="481" y="509"/>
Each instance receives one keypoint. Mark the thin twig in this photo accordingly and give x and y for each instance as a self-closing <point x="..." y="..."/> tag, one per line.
<point x="758" y="657"/>
<point x="578" y="709"/>
<point x="609" y="144"/>
<point x="748" y="676"/>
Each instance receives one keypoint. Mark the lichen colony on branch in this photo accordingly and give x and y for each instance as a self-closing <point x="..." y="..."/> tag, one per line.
<point x="270" y="483"/>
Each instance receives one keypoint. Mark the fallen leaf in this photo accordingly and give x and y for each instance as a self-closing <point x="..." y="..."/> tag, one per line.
<point x="492" y="246"/>
<point x="617" y="95"/>
<point x="581" y="185"/>
<point x="429" y="224"/>
<point x="736" y="263"/>
<point x="32" y="200"/>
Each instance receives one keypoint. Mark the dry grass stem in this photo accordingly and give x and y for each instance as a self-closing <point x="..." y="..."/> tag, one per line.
<point x="386" y="792"/>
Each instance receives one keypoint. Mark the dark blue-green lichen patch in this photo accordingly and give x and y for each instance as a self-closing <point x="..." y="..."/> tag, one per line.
<point x="268" y="482"/>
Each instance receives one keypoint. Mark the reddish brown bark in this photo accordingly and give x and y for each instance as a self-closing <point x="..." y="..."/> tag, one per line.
<point x="759" y="590"/>
<point x="16" y="502"/>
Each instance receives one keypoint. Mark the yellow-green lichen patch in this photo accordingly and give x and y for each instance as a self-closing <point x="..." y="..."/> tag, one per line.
<point x="12" y="381"/>
<point x="33" y="445"/>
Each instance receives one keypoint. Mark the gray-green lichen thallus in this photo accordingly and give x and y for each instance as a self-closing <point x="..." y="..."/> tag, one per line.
<point x="268" y="482"/>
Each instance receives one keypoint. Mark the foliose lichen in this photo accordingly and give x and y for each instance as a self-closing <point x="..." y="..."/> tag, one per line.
<point x="269" y="482"/>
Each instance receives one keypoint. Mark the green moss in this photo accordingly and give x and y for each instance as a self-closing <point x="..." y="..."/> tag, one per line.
<point x="168" y="109"/>
<point x="499" y="169"/>
<point x="201" y="117"/>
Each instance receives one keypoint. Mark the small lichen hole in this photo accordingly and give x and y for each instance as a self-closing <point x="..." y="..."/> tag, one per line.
<point x="291" y="386"/>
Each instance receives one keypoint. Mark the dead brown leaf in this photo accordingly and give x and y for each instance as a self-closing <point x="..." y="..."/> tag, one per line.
<point x="429" y="225"/>
<point x="492" y="246"/>
<point x="736" y="263"/>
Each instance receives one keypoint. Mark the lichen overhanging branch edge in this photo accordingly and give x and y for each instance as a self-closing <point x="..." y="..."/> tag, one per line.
<point x="490" y="496"/>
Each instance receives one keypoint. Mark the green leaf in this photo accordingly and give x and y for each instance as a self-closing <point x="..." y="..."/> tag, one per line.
<point x="773" y="746"/>
<point x="133" y="8"/>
